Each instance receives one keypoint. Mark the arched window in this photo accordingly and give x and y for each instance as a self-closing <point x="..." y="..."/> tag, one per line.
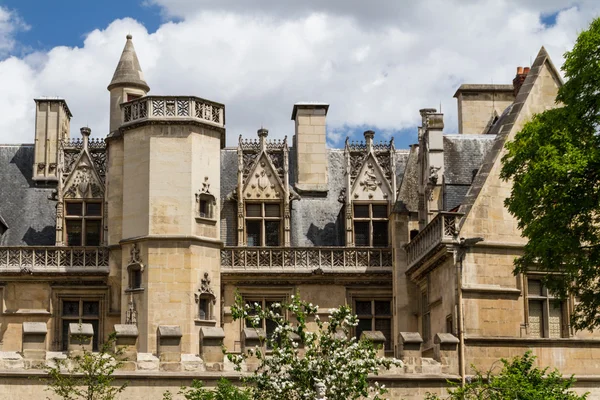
<point x="135" y="269"/>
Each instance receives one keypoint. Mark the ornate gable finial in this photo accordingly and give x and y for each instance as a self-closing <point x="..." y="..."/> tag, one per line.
<point x="205" y="186"/>
<point x="135" y="256"/>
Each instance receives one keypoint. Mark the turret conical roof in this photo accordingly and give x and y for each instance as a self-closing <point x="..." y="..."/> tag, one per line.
<point x="129" y="72"/>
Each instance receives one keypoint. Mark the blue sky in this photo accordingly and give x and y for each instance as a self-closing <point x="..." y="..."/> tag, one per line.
<point x="377" y="64"/>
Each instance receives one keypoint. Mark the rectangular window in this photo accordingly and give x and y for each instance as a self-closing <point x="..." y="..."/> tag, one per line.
<point x="83" y="223"/>
<point x="546" y="315"/>
<point x="374" y="315"/>
<point x="268" y="326"/>
<point x="371" y="225"/>
<point x="263" y="224"/>
<point x="80" y="311"/>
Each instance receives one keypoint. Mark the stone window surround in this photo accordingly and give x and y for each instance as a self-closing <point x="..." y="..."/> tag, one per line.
<point x="262" y="219"/>
<point x="73" y="293"/>
<point x="547" y="298"/>
<point x="83" y="218"/>
<point x="210" y="216"/>
<point x="372" y="294"/>
<point x="264" y="293"/>
<point x="370" y="219"/>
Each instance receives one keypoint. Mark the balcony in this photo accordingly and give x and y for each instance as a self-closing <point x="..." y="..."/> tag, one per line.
<point x="305" y="259"/>
<point x="51" y="259"/>
<point x="173" y="108"/>
<point x="442" y="230"/>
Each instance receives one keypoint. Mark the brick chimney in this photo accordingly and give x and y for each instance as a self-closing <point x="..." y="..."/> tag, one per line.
<point x="519" y="79"/>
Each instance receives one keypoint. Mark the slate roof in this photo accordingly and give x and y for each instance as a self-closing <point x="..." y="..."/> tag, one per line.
<point x="25" y="208"/>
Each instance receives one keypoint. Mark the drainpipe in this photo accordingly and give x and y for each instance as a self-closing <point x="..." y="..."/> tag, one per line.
<point x="462" y="247"/>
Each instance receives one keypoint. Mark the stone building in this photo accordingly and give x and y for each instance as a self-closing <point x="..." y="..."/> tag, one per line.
<point x="151" y="231"/>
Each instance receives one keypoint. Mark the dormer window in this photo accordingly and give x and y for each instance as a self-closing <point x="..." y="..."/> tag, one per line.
<point x="263" y="224"/>
<point x="371" y="225"/>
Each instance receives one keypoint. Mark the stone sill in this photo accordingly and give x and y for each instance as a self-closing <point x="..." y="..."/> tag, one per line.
<point x="530" y="341"/>
<point x="28" y="313"/>
<point x="209" y="221"/>
<point x="134" y="291"/>
<point x="205" y="322"/>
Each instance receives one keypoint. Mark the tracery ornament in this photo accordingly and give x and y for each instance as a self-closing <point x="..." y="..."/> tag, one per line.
<point x="369" y="181"/>
<point x="131" y="314"/>
<point x="134" y="256"/>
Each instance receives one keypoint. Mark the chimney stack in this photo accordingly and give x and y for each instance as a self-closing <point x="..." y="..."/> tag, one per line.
<point x="519" y="79"/>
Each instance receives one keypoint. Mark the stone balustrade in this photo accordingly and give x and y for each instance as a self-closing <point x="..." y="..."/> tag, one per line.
<point x="440" y="231"/>
<point x="175" y="108"/>
<point x="306" y="259"/>
<point x="53" y="259"/>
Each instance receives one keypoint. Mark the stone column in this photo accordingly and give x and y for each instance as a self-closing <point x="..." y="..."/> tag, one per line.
<point x="80" y="338"/>
<point x="169" y="347"/>
<point x="211" y="342"/>
<point x="126" y="344"/>
<point x="410" y="351"/>
<point x="444" y="351"/>
<point x="34" y="340"/>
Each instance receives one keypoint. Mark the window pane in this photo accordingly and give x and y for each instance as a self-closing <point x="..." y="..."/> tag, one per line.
<point x="385" y="326"/>
<point x="253" y="210"/>
<point x="91" y="308"/>
<point x="204" y="209"/>
<point x="74" y="208"/>
<point x="380" y="233"/>
<point x="203" y="315"/>
<point x="361" y="233"/>
<point x="380" y="211"/>
<point x="361" y="211"/>
<point x="535" y="319"/>
<point x="363" y="308"/>
<point x="534" y="287"/>
<point x="74" y="233"/>
<point x="272" y="233"/>
<point x="253" y="233"/>
<point x="555" y="319"/>
<point x="93" y="209"/>
<point x="383" y="308"/>
<point x="70" y="309"/>
<point x="272" y="210"/>
<point x="363" y="325"/>
<point x="92" y="232"/>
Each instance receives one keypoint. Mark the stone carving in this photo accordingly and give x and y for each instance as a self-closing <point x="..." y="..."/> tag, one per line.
<point x="205" y="186"/>
<point x="321" y="389"/>
<point x="342" y="196"/>
<point x="205" y="289"/>
<point x="41" y="166"/>
<point x="135" y="258"/>
<point x="263" y="184"/>
<point x="131" y="314"/>
<point x="370" y="182"/>
<point x="433" y="175"/>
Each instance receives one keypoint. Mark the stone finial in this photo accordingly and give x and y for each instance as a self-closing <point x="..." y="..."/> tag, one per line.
<point x="129" y="36"/>
<point x="85" y="134"/>
<point x="262" y="133"/>
<point x="369" y="135"/>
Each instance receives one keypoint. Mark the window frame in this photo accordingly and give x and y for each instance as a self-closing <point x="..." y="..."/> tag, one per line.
<point x="371" y="220"/>
<point x="546" y="299"/>
<point x="83" y="217"/>
<point x="262" y="220"/>
<point x="389" y="348"/>
<point x="63" y="342"/>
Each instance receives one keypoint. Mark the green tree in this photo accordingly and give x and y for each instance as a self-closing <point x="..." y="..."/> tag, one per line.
<point x="330" y="355"/>
<point x="87" y="375"/>
<point x="225" y="390"/>
<point x="518" y="380"/>
<point x="554" y="163"/>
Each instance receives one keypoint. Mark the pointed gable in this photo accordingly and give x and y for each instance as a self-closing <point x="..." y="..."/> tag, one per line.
<point x="371" y="183"/>
<point x="83" y="181"/>
<point x="483" y="206"/>
<point x="263" y="182"/>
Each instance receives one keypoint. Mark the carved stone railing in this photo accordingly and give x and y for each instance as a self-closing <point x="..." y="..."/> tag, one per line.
<point x="53" y="259"/>
<point x="441" y="230"/>
<point x="305" y="259"/>
<point x="173" y="108"/>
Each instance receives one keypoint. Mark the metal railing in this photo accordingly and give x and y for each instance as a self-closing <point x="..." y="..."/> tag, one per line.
<point x="441" y="230"/>
<point x="149" y="108"/>
<point x="304" y="259"/>
<point x="53" y="259"/>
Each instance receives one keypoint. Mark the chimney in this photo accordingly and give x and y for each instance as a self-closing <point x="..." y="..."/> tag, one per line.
<point x="310" y="148"/>
<point x="52" y="124"/>
<point x="519" y="79"/>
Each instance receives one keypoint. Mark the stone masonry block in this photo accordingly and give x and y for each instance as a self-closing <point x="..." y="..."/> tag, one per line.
<point x="169" y="343"/>
<point x="34" y="340"/>
<point x="378" y="340"/>
<point x="211" y="342"/>
<point x="126" y="342"/>
<point x="410" y="350"/>
<point x="80" y="337"/>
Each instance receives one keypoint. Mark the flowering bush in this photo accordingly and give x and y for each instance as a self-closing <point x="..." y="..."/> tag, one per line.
<point x="330" y="355"/>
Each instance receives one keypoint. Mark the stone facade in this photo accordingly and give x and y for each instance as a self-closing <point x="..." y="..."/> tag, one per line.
<point x="152" y="231"/>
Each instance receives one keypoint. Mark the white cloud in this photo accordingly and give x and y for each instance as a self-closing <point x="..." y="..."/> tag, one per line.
<point x="10" y="23"/>
<point x="375" y="65"/>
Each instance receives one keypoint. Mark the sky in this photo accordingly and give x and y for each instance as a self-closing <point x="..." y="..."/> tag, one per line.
<point x="375" y="62"/>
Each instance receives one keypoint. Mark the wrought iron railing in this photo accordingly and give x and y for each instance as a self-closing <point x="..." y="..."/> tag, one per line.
<point x="277" y="259"/>
<point x="53" y="259"/>
<point x="149" y="108"/>
<point x="441" y="230"/>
